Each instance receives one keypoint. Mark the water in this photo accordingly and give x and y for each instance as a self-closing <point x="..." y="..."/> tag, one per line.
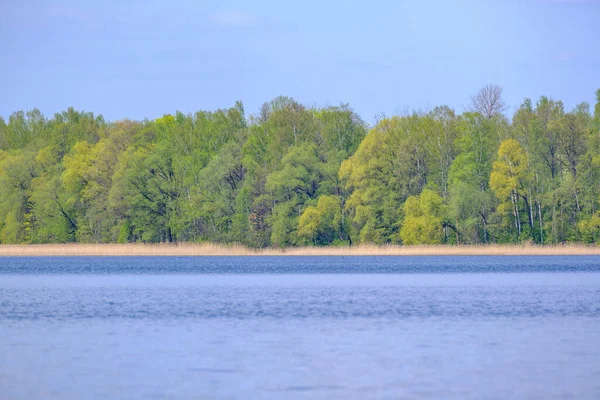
<point x="300" y="328"/>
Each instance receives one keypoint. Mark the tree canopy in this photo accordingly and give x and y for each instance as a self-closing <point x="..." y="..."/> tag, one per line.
<point x="293" y="175"/>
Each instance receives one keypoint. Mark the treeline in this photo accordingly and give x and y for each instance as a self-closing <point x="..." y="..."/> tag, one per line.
<point x="291" y="175"/>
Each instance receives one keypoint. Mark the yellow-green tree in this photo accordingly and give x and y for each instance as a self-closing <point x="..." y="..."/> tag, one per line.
<point x="590" y="228"/>
<point x="424" y="219"/>
<point x="508" y="179"/>
<point x="322" y="224"/>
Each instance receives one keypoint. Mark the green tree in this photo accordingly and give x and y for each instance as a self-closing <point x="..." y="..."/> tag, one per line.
<point x="388" y="167"/>
<point x="17" y="220"/>
<point x="296" y="183"/>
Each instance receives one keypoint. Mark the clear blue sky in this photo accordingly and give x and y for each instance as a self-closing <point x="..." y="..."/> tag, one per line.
<point x="136" y="59"/>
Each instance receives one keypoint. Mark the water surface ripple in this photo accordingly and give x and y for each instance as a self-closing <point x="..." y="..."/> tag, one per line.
<point x="300" y="328"/>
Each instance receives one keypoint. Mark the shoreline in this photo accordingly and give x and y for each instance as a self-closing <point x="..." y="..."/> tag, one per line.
<point x="206" y="249"/>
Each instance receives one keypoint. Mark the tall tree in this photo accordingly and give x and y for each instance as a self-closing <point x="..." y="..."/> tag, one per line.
<point x="508" y="181"/>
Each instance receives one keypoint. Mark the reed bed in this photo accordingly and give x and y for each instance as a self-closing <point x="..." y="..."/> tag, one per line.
<point x="207" y="249"/>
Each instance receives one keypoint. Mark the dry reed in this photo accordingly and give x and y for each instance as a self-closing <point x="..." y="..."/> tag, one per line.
<point x="207" y="249"/>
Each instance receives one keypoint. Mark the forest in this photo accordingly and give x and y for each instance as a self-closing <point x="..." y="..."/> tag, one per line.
<point x="292" y="175"/>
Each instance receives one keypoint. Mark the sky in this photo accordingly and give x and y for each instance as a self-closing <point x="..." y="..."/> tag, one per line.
<point x="142" y="59"/>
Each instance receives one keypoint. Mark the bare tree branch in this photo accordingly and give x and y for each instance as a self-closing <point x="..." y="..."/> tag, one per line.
<point x="488" y="101"/>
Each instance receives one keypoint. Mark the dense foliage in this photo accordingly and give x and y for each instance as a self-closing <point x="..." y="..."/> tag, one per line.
<point x="291" y="175"/>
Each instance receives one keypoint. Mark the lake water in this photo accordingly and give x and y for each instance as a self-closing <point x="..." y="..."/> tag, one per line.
<point x="300" y="328"/>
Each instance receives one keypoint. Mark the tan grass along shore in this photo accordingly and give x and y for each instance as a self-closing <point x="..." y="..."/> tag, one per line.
<point x="207" y="249"/>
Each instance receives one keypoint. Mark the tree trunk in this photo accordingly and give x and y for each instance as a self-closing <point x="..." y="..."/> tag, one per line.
<point x="485" y="232"/>
<point x="541" y="224"/>
<point x="529" y="207"/>
<point x="515" y="199"/>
